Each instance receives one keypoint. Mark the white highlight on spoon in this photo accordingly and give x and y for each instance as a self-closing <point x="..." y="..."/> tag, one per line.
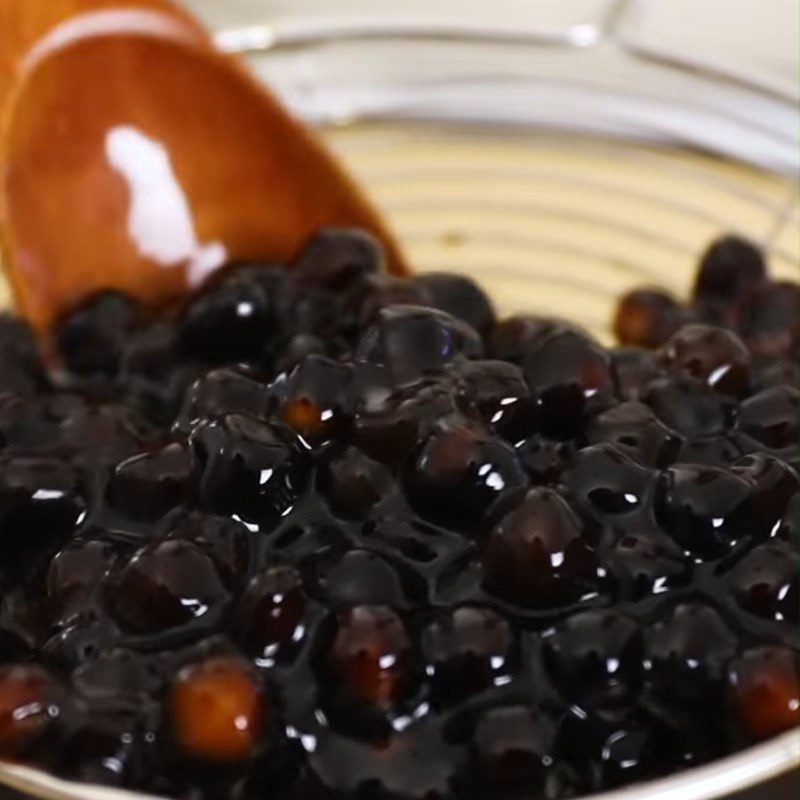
<point x="160" y="220"/>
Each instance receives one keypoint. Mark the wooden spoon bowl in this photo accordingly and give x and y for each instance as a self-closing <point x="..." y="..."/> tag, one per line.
<point x="137" y="157"/>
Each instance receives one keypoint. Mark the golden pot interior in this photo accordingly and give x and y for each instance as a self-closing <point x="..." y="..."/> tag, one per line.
<point x="563" y="224"/>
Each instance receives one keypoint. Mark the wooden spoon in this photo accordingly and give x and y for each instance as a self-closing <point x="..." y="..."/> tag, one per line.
<point x="141" y="159"/>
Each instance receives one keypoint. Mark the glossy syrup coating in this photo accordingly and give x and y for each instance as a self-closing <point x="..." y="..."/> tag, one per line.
<point x="375" y="544"/>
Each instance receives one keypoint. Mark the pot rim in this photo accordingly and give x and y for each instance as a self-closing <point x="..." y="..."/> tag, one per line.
<point x="708" y="782"/>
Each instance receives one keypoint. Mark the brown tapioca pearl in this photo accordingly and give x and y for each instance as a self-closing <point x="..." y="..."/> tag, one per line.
<point x="391" y="433"/>
<point x="545" y="460"/>
<point x="731" y="269"/>
<point x="707" y="510"/>
<point x="249" y="468"/>
<point x="384" y="291"/>
<point x="693" y="411"/>
<point x="646" y="563"/>
<point x="221" y="392"/>
<point x="538" y="557"/>
<point x="165" y="586"/>
<point x="33" y="424"/>
<point x="632" y="369"/>
<point x="614" y="750"/>
<point x="28" y="707"/>
<point x="513" y="748"/>
<point x="496" y="392"/>
<point x="569" y="376"/>
<point x="714" y="357"/>
<point x="270" y="613"/>
<point x="217" y="710"/>
<point x="635" y="430"/>
<point x="151" y="354"/>
<point x="596" y="657"/>
<point x="74" y="428"/>
<point x="337" y="257"/>
<point x="354" y="484"/>
<point x="647" y="318"/>
<point x="154" y="376"/>
<point x="370" y="657"/>
<point x="765" y="582"/>
<point x="770" y="320"/>
<point x="467" y="649"/>
<point x="636" y="752"/>
<point x="361" y="577"/>
<point x="91" y="340"/>
<point x="513" y="338"/>
<point x="147" y="486"/>
<point x="300" y="347"/>
<point x="271" y="278"/>
<point x="226" y="540"/>
<point x="42" y="500"/>
<point x="607" y="482"/>
<point x="770" y="417"/>
<point x="374" y="393"/>
<point x="303" y="416"/>
<point x="774" y="483"/>
<point x="106" y="433"/>
<point x="463" y="478"/>
<point x="316" y="401"/>
<point x="720" y="314"/>
<point x="687" y="655"/>
<point x="229" y="323"/>
<point x="412" y="342"/>
<point x="315" y="310"/>
<point x="75" y="575"/>
<point x="461" y="297"/>
<point x="763" y="692"/>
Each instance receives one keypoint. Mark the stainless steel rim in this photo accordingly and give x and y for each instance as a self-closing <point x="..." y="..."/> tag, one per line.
<point x="715" y="780"/>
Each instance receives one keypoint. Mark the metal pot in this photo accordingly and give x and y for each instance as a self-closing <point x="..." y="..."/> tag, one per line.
<point x="603" y="214"/>
<point x="753" y="767"/>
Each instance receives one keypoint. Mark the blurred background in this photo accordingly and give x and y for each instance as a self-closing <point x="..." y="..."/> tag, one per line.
<point x="595" y="144"/>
